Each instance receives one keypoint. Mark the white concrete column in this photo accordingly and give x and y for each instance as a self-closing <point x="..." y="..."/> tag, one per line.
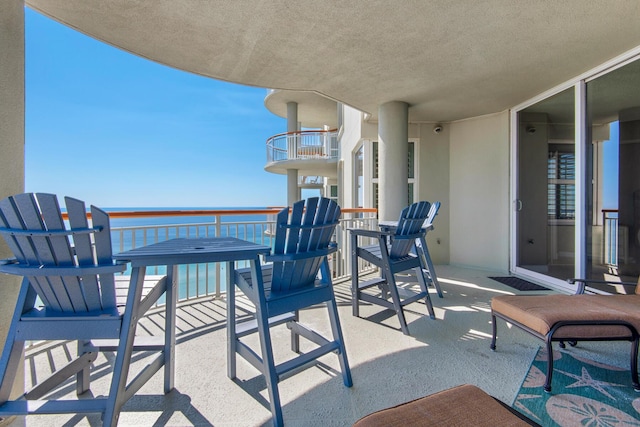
<point x="293" y="191"/>
<point x="11" y="143"/>
<point x="292" y="126"/>
<point x="292" y="116"/>
<point x="393" y="146"/>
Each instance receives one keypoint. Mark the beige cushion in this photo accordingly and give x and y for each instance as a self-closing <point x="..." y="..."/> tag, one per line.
<point x="541" y="312"/>
<point x="465" y="405"/>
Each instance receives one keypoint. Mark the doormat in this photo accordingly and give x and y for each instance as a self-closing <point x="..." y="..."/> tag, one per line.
<point x="519" y="284"/>
<point x="583" y="393"/>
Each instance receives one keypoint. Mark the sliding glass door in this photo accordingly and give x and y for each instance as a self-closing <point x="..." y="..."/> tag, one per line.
<point x="577" y="203"/>
<point x="613" y="175"/>
<point x="545" y="204"/>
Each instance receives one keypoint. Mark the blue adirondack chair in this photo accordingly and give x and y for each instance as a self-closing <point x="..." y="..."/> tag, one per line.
<point x="69" y="292"/>
<point x="394" y="252"/>
<point x="289" y="283"/>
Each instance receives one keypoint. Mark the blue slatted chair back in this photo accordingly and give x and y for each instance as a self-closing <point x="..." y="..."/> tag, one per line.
<point x="35" y="231"/>
<point x="302" y="243"/>
<point x="409" y="227"/>
<point x="433" y="211"/>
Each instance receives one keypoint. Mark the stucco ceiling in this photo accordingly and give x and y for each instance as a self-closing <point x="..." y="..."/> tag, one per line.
<point x="448" y="59"/>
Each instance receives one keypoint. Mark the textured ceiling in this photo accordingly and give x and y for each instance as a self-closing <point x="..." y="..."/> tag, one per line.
<point x="448" y="59"/>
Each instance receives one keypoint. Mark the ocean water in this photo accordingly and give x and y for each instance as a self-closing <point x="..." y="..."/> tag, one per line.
<point x="196" y="279"/>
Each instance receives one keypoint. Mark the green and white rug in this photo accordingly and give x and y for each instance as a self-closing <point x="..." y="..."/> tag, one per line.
<point x="584" y="393"/>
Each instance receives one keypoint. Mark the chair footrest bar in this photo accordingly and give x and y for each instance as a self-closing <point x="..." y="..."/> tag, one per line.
<point x="309" y="334"/>
<point x="61" y="375"/>
<point x="25" y="407"/>
<point x="251" y="326"/>
<point x="141" y="343"/>
<point x="413" y="298"/>
<point x="144" y="376"/>
<point x="370" y="283"/>
<point x="153" y="295"/>
<point x="249" y="355"/>
<point x="377" y="300"/>
<point x="304" y="361"/>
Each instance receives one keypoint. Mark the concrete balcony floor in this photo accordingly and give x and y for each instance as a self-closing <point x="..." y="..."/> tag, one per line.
<point x="388" y="367"/>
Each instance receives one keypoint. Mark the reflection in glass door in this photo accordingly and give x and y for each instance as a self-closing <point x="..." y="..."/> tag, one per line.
<point x="545" y="218"/>
<point x="613" y="176"/>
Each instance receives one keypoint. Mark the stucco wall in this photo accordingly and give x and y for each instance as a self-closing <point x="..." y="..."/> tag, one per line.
<point x="479" y="192"/>
<point x="11" y="133"/>
<point x="433" y="185"/>
<point x="350" y="137"/>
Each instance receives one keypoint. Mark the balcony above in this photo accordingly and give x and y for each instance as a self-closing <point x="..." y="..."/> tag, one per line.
<point x="314" y="110"/>
<point x="311" y="152"/>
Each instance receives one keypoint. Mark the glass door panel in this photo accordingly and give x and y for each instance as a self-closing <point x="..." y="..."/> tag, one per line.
<point x="613" y="176"/>
<point x="545" y="219"/>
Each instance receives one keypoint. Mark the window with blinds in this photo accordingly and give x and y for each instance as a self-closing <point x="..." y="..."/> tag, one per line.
<point x="561" y="194"/>
<point x="410" y="171"/>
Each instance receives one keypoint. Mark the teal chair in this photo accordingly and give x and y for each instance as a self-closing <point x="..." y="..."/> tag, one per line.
<point x="395" y="251"/>
<point x="297" y="276"/>
<point x="69" y="292"/>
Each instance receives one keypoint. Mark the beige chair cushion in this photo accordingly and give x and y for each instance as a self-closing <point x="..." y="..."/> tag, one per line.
<point x="465" y="405"/>
<point x="541" y="312"/>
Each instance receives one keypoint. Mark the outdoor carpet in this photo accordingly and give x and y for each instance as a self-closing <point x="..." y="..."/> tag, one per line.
<point x="583" y="393"/>
<point x="519" y="284"/>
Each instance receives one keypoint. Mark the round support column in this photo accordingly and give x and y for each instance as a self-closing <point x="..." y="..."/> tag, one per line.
<point x="12" y="148"/>
<point x="393" y="146"/>
<point x="293" y="191"/>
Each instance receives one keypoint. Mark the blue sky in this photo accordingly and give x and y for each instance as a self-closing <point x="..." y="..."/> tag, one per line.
<point x="610" y="167"/>
<point x="117" y="130"/>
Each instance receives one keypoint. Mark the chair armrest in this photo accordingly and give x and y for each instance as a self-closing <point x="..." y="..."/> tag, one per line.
<point x="583" y="282"/>
<point x="369" y="233"/>
<point x="300" y="255"/>
<point x="410" y="236"/>
<point x="8" y="261"/>
<point x="40" y="271"/>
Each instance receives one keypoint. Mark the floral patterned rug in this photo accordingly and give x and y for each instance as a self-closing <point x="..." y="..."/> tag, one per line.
<point x="584" y="393"/>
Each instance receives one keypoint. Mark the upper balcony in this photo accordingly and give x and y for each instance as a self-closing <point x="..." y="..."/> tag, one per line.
<point x="314" y="109"/>
<point x="311" y="152"/>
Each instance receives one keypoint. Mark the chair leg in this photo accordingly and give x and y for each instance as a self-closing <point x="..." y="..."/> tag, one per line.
<point x="397" y="304"/>
<point x="116" y="398"/>
<point x="268" y="366"/>
<point x="634" y="364"/>
<point x="430" y="267"/>
<point x="494" y="329"/>
<point x="295" y="337"/>
<point x="9" y="364"/>
<point x="424" y="288"/>
<point x="337" y="336"/>
<point x="12" y="350"/>
<point x="231" y="322"/>
<point x="355" y="290"/>
<point x="547" y="382"/>
<point x="83" y="377"/>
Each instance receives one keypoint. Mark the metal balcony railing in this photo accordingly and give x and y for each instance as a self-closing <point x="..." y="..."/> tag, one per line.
<point x="615" y="239"/>
<point x="199" y="280"/>
<point x="301" y="145"/>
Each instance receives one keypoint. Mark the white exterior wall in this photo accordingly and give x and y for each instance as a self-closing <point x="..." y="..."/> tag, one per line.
<point x="11" y="141"/>
<point x="432" y="169"/>
<point x="479" y="192"/>
<point x="351" y="136"/>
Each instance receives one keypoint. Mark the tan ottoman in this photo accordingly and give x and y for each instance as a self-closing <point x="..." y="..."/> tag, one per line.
<point x="572" y="318"/>
<point x="464" y="405"/>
